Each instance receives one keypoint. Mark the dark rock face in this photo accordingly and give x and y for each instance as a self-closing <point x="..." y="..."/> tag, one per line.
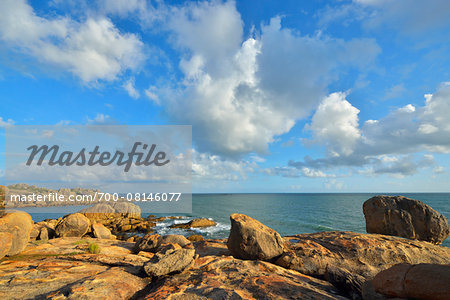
<point x="170" y="261"/>
<point x="349" y="259"/>
<point x="196" y="223"/>
<point x="250" y="239"/>
<point x="148" y="243"/>
<point x="74" y="225"/>
<point x="404" y="217"/>
<point x="19" y="224"/>
<point x="421" y="281"/>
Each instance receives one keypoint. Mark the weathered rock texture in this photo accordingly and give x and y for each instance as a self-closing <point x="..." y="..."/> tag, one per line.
<point x="348" y="259"/>
<point x="74" y="225"/>
<point x="404" y="217"/>
<point x="230" y="278"/>
<point x="19" y="225"/>
<point x="54" y="270"/>
<point x="101" y="231"/>
<point x="422" y="281"/>
<point x="172" y="260"/>
<point x="250" y="239"/>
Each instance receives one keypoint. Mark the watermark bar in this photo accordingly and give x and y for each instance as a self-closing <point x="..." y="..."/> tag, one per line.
<point x="63" y="168"/>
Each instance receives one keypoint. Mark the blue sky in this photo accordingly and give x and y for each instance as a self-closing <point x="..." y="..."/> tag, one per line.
<point x="282" y="96"/>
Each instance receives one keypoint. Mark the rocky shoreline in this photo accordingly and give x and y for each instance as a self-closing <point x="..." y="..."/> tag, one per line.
<point x="100" y="253"/>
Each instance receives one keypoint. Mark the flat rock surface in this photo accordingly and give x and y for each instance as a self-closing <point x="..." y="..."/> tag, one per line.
<point x="230" y="278"/>
<point x="355" y="257"/>
<point x="62" y="268"/>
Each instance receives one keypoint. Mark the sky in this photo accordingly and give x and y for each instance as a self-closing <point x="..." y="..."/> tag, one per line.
<point x="283" y="96"/>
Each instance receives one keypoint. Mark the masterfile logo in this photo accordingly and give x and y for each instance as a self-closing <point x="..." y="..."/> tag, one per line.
<point x="62" y="166"/>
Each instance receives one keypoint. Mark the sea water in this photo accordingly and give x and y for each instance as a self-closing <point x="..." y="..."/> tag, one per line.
<point x="286" y="213"/>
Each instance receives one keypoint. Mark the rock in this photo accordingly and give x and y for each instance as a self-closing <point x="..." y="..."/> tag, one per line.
<point x="6" y="240"/>
<point x="74" y="225"/>
<point x="195" y="223"/>
<point x="127" y="210"/>
<point x="52" y="271"/>
<point x="148" y="243"/>
<point x="175" y="239"/>
<point x="43" y="234"/>
<point x="230" y="278"/>
<point x="114" y="283"/>
<point x="2" y="199"/>
<point x="250" y="239"/>
<point x="361" y="255"/>
<point x="19" y="224"/>
<point x="404" y="217"/>
<point x="106" y="212"/>
<point x="100" y="231"/>
<point x="420" y="281"/>
<point x="196" y="238"/>
<point x="171" y="261"/>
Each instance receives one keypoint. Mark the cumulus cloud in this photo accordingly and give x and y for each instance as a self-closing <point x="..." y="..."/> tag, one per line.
<point x="93" y="49"/>
<point x="239" y="94"/>
<point x="212" y="167"/>
<point x="335" y="123"/>
<point x="388" y="145"/>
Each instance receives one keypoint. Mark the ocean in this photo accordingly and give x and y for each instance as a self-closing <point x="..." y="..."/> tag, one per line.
<point x="286" y="213"/>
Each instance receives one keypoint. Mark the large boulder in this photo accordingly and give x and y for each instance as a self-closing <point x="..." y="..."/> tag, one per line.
<point x="100" y="231"/>
<point x="404" y="217"/>
<point x="148" y="243"/>
<point x="19" y="224"/>
<point x="421" y="281"/>
<point x="175" y="239"/>
<point x="170" y="261"/>
<point x="250" y="239"/>
<point x="348" y="259"/>
<point x="74" y="225"/>
<point x="6" y="240"/>
<point x="111" y="213"/>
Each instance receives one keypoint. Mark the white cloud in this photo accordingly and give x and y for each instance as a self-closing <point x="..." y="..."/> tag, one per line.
<point x="387" y="145"/>
<point x="6" y="123"/>
<point x="335" y="123"/>
<point x="130" y="88"/>
<point x="239" y="94"/>
<point x="92" y="49"/>
<point x="211" y="167"/>
<point x="152" y="94"/>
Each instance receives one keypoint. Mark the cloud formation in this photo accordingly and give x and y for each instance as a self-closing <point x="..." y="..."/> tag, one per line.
<point x="386" y="145"/>
<point x="239" y="94"/>
<point x="92" y="49"/>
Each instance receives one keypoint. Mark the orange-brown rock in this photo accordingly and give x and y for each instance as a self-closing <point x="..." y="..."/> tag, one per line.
<point x="19" y="224"/>
<point x="230" y="278"/>
<point x="421" y="281"/>
<point x="195" y="238"/>
<point x="6" y="240"/>
<point x="54" y="270"/>
<point x="74" y="225"/>
<point x="250" y="239"/>
<point x="337" y="255"/>
<point x="101" y="231"/>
